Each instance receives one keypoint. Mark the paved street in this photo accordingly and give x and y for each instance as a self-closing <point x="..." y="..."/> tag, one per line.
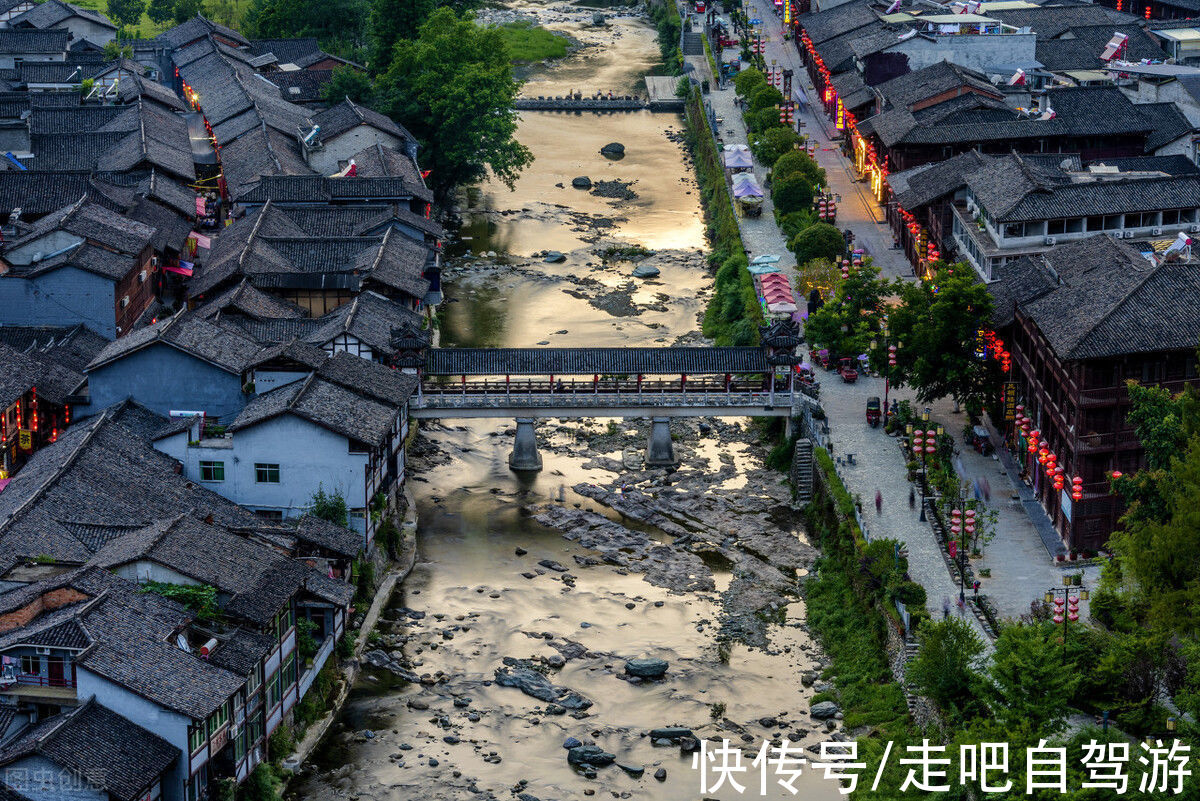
<point x="1020" y="556"/>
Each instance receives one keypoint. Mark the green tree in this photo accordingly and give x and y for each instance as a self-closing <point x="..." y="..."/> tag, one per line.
<point x="183" y="10"/>
<point x="340" y="25"/>
<point x="819" y="241"/>
<point x="126" y="13"/>
<point x="747" y="81"/>
<point x="796" y="162"/>
<point x="391" y="21"/>
<point x="850" y="319"/>
<point x="794" y="222"/>
<point x="944" y="669"/>
<point x="938" y="321"/>
<point x="115" y="50"/>
<point x="330" y="506"/>
<point x="348" y="82"/>
<point x="765" y="97"/>
<point x="773" y="143"/>
<point x="792" y="194"/>
<point x="453" y="87"/>
<point x="1027" y="679"/>
<point x="763" y="119"/>
<point x="160" y="11"/>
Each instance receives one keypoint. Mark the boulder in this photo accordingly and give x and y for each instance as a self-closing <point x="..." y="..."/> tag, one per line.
<point x="582" y="182"/>
<point x="598" y="18"/>
<point x="670" y="733"/>
<point x="635" y="771"/>
<point x="590" y="755"/>
<point x="646" y="271"/>
<point x="554" y="257"/>
<point x="538" y="686"/>
<point x="823" y="710"/>
<point x="570" y="743"/>
<point x="613" y="149"/>
<point x="647" y="668"/>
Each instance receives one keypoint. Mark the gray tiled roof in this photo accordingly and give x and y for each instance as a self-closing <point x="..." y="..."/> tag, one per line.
<point x="378" y="161"/>
<point x="93" y="223"/>
<point x="838" y="20"/>
<point x="316" y="188"/>
<point x="256" y="581"/>
<point x="274" y="252"/>
<point x="330" y="536"/>
<point x="220" y="345"/>
<point x="370" y="318"/>
<point x="20" y="41"/>
<point x="196" y="28"/>
<point x="302" y="86"/>
<point x="1099" y="298"/>
<point x="301" y="51"/>
<point x="325" y="403"/>
<point x="43" y="508"/>
<point x="1014" y="190"/>
<point x="52" y="13"/>
<point x="368" y="378"/>
<point x="1051" y="21"/>
<point x="19" y="372"/>
<point x="244" y="299"/>
<point x="242" y="651"/>
<point x="100" y="746"/>
<point x="922" y="185"/>
<point x="347" y="115"/>
<point x="71" y="347"/>
<point x="589" y="361"/>
<point x="1079" y="47"/>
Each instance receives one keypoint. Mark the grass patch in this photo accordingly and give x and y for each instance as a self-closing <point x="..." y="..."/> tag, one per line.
<point x="527" y="42"/>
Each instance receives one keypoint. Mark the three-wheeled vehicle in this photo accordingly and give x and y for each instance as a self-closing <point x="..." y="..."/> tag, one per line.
<point x="822" y="358"/>
<point x="873" y="411"/>
<point x="980" y="440"/>
<point x="846" y="370"/>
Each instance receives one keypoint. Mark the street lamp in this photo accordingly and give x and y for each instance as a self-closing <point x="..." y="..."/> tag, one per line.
<point x="924" y="443"/>
<point x="962" y="528"/>
<point x="1061" y="597"/>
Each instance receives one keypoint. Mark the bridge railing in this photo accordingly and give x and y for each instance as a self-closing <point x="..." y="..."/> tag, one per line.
<point x="603" y="386"/>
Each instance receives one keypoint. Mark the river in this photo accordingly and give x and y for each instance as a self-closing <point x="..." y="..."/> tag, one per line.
<point x="478" y="595"/>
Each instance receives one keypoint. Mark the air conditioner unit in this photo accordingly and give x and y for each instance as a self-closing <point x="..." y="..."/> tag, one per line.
<point x="43" y="651"/>
<point x="1194" y="229"/>
<point x="142" y="277"/>
<point x="1049" y="241"/>
<point x="124" y="301"/>
<point x="1156" y="231"/>
<point x="1127" y="234"/>
<point x="154" y="261"/>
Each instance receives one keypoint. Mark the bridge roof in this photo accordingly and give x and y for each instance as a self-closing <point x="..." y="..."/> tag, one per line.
<point x="590" y="361"/>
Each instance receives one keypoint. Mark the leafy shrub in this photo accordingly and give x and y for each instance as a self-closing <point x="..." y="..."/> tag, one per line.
<point x="818" y="241"/>
<point x="773" y="143"/>
<point x="792" y="194"/>
<point x="765" y="97"/>
<point x="330" y="506"/>
<point x="748" y="81"/>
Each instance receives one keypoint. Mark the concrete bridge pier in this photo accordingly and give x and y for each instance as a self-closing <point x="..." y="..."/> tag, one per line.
<point x="660" y="452"/>
<point x="525" y="457"/>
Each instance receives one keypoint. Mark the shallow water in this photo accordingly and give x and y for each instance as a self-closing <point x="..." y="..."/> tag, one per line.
<point x="473" y="511"/>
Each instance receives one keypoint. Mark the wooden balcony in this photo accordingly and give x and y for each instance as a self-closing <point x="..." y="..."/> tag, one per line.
<point x="1113" y="441"/>
<point x="1110" y="396"/>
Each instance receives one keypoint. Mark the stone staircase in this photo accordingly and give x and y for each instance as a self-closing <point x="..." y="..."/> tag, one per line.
<point x="802" y="470"/>
<point x="910" y="652"/>
<point x="692" y="44"/>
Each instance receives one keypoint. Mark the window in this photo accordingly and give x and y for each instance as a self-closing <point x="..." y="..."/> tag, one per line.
<point x="219" y="718"/>
<point x="1014" y="229"/>
<point x="239" y="746"/>
<point x="358" y="447"/>
<point x="31" y="665"/>
<point x="266" y="473"/>
<point x="212" y="471"/>
<point x="254" y="680"/>
<point x="273" y="694"/>
<point x="287" y="619"/>
<point x="1170" y="217"/>
<point x="289" y="670"/>
<point x="275" y="515"/>
<point x="196" y="737"/>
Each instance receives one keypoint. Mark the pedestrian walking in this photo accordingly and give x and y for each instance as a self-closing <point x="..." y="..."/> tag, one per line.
<point x="878" y="502"/>
<point x="945" y="608"/>
<point x="987" y="489"/>
<point x="912" y="498"/>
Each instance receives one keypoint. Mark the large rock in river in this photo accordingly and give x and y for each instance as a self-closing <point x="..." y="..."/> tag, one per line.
<point x="538" y="686"/>
<point x="582" y="182"/>
<point x="590" y="755"/>
<point x="645" y="271"/>
<point x="613" y="149"/>
<point x="647" y="668"/>
<point x="554" y="257"/>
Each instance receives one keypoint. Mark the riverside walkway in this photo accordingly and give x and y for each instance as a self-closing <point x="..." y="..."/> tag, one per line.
<point x="1021" y="567"/>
